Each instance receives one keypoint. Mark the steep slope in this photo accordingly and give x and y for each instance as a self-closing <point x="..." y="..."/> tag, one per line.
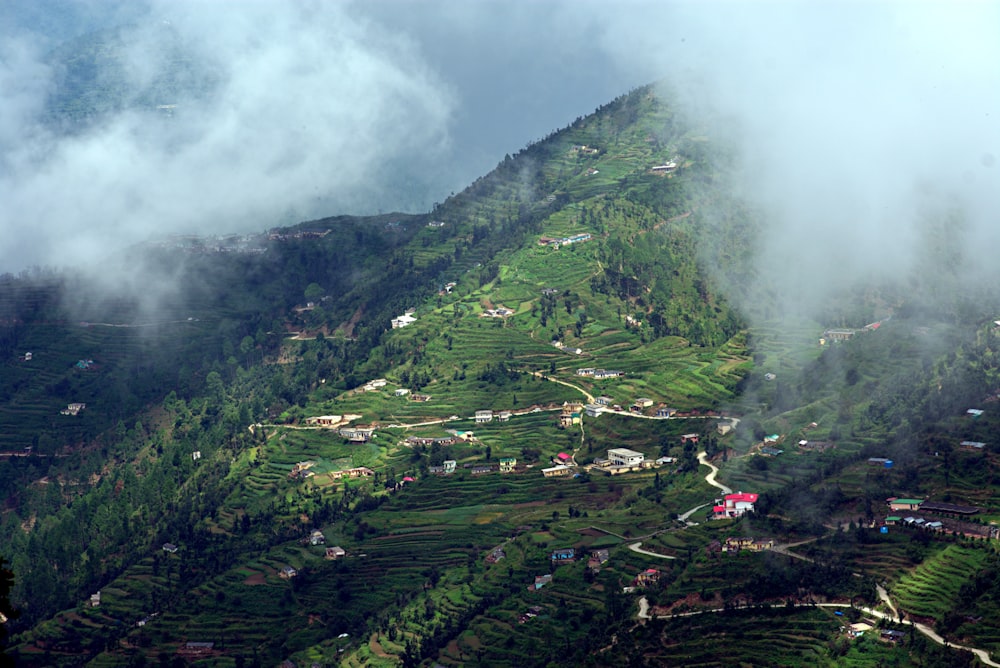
<point x="627" y="287"/>
<point x="589" y="265"/>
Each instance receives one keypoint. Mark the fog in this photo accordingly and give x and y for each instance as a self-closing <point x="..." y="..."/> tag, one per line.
<point x="858" y="124"/>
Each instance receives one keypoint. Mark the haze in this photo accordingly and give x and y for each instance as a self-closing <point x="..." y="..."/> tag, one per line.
<point x="856" y="122"/>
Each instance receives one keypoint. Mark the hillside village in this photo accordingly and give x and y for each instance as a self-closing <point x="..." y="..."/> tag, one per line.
<point x="517" y="430"/>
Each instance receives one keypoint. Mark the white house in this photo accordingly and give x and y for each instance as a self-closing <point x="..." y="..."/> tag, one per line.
<point x="484" y="416"/>
<point x="403" y="320"/>
<point x="625" y="457"/>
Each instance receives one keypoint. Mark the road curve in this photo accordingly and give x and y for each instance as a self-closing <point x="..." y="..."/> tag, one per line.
<point x="710" y="478"/>
<point x="637" y="547"/>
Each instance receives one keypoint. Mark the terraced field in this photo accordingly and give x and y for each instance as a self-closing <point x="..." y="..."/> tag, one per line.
<point x="931" y="589"/>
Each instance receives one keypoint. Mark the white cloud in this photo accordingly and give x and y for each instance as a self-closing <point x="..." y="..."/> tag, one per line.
<point x="307" y="104"/>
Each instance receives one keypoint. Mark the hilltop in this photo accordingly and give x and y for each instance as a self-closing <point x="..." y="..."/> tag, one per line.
<point x="456" y="436"/>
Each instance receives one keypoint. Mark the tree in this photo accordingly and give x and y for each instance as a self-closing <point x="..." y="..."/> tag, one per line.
<point x="6" y="610"/>
<point x="313" y="292"/>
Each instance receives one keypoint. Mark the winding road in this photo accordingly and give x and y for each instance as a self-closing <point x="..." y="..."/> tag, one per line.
<point x="883" y="595"/>
<point x="710" y="478"/>
<point x="981" y="654"/>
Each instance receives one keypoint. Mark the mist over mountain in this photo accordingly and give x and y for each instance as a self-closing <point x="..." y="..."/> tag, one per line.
<point x="855" y="124"/>
<point x="316" y="443"/>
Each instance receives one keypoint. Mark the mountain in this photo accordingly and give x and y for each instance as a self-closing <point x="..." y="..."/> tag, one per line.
<point x="411" y="389"/>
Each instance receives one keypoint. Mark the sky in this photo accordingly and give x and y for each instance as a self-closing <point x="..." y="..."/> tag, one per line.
<point x="857" y="121"/>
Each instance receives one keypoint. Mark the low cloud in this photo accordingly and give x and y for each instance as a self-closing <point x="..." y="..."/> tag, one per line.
<point x="864" y="128"/>
<point x="303" y="110"/>
<point x="860" y="126"/>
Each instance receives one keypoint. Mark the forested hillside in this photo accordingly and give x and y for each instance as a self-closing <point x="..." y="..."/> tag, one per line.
<point x="364" y="441"/>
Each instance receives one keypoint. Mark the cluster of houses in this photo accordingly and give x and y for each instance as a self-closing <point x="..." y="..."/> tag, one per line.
<point x="734" y="505"/>
<point x="618" y="460"/>
<point x="428" y="441"/>
<point x="357" y="472"/>
<point x="605" y="403"/>
<point x="73" y="409"/>
<point x="622" y="460"/>
<point x="553" y="242"/>
<point x="838" y="335"/>
<point x="449" y="466"/>
<point x="567" y="349"/>
<point x="599" y="374"/>
<point x="304" y="234"/>
<point x="446" y="468"/>
<point x="373" y="385"/>
<point x="300" y="470"/>
<point x="738" y="544"/>
<point x="570" y="414"/>
<point x="949" y="525"/>
<point x="484" y="416"/>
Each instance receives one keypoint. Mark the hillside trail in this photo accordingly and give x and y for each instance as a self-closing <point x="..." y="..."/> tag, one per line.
<point x="787" y="547"/>
<point x="588" y="395"/>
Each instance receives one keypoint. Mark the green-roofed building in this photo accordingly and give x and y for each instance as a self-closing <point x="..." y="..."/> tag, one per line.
<point x="905" y="504"/>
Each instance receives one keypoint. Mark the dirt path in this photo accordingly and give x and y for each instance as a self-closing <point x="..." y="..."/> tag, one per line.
<point x="786" y="549"/>
<point x="588" y="395"/>
<point x="377" y="650"/>
<point x="884" y="595"/>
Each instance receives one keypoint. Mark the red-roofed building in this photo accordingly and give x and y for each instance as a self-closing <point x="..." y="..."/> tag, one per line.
<point x="563" y="457"/>
<point x="734" y="505"/>
<point x="646" y="578"/>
